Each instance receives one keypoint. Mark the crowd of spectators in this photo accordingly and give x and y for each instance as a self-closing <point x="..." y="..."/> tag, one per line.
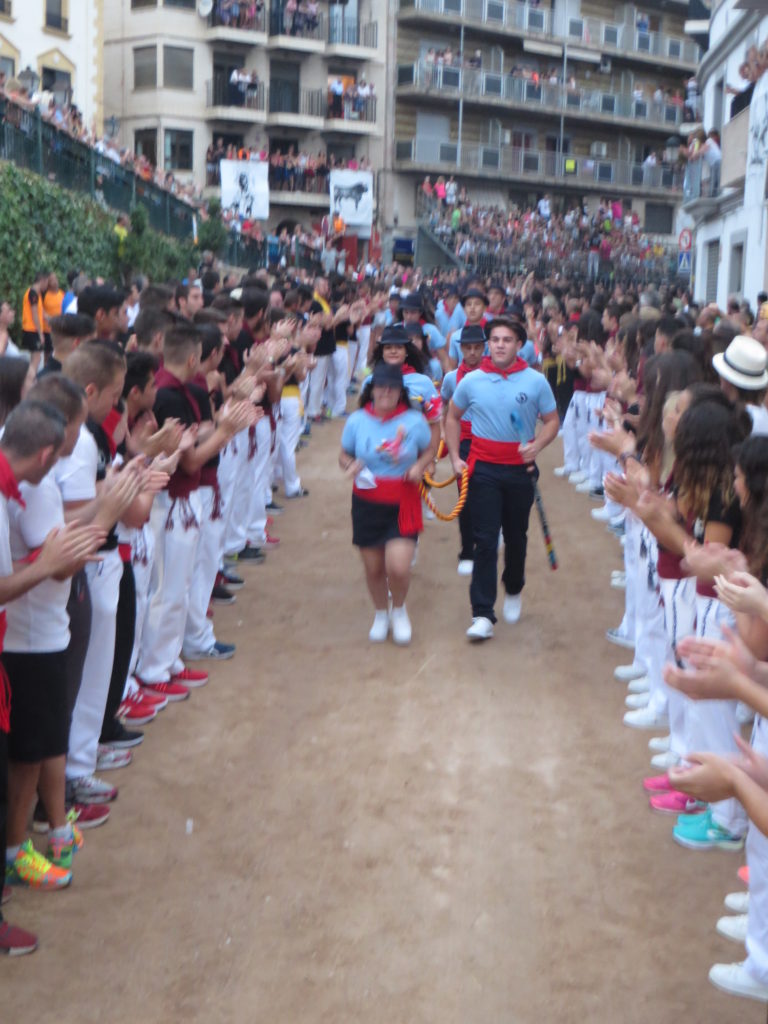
<point x="236" y="14"/>
<point x="288" y="172"/>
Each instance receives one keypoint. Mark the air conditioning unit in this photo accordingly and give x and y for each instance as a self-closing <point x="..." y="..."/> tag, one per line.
<point x="506" y="137"/>
<point x="598" y="149"/>
<point x="605" y="65"/>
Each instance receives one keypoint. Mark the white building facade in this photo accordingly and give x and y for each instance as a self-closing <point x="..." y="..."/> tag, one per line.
<point x="62" y="43"/>
<point x="729" y="217"/>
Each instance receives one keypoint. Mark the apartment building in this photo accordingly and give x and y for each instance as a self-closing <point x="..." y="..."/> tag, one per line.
<point x="56" y="46"/>
<point x="726" y="203"/>
<point x="181" y="74"/>
<point x="577" y="98"/>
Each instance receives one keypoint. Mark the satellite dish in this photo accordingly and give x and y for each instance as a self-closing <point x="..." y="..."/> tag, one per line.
<point x="204" y="8"/>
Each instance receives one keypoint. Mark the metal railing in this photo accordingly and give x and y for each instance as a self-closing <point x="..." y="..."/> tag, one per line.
<point x="535" y="164"/>
<point x="342" y="109"/>
<point x="30" y="142"/>
<point x="220" y="17"/>
<point x="533" y="20"/>
<point x="296" y="23"/>
<point x="287" y="99"/>
<point x="700" y="181"/>
<point x="221" y="92"/>
<point x="352" y="33"/>
<point x="476" y="84"/>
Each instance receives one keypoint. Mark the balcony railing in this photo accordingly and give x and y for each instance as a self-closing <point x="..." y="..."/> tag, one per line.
<point x="529" y="163"/>
<point x="286" y="99"/>
<point x="352" y="33"/>
<point x="491" y="15"/>
<point x="296" y="23"/>
<point x="700" y="181"/>
<point x="221" y="92"/>
<point x="341" y="108"/>
<point x="249" y="19"/>
<point x="474" y="84"/>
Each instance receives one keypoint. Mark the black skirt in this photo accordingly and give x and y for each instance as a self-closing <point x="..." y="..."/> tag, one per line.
<point x="374" y="524"/>
<point x="39" y="717"/>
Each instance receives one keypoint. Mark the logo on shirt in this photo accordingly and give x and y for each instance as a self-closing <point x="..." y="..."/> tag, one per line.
<point x="522" y="398"/>
<point x="391" y="450"/>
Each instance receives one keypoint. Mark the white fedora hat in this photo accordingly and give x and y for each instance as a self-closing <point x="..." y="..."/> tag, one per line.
<point x="743" y="364"/>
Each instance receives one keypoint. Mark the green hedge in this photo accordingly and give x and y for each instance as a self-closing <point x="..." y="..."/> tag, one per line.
<point x="43" y="226"/>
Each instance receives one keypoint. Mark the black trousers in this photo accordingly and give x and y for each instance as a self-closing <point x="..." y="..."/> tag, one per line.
<point x="3" y="797"/>
<point x="124" y="634"/>
<point x="465" y="516"/>
<point x="79" y="611"/>
<point x="500" y="499"/>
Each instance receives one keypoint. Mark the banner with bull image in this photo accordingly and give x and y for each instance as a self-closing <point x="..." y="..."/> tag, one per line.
<point x="352" y="197"/>
<point x="245" y="189"/>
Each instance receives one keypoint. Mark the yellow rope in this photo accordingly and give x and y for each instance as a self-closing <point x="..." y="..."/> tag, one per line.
<point x="428" y="482"/>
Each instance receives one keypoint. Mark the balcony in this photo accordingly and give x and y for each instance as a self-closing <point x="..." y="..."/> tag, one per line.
<point x="246" y="31"/>
<point x="701" y="187"/>
<point x="295" y="31"/>
<point x="350" y="39"/>
<point x="735" y="141"/>
<point x="351" y="116"/>
<point x="520" y="20"/>
<point x="290" y="107"/>
<point x="6" y="9"/>
<point x="443" y="82"/>
<point x="226" y="101"/>
<point x="566" y="170"/>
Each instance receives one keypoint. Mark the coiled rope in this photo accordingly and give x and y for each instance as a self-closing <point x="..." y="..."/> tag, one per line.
<point x="428" y="483"/>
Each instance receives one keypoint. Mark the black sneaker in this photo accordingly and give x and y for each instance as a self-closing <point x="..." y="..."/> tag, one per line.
<point x="596" y="493"/>
<point x="249" y="554"/>
<point x="118" y="736"/>
<point x="303" y="493"/>
<point x="220" y="595"/>
<point x="231" y="580"/>
<point x="274" y="509"/>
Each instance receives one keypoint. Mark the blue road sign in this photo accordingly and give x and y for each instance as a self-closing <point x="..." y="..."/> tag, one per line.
<point x="684" y="263"/>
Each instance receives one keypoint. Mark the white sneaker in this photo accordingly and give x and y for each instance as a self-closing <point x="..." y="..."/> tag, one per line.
<point x="659" y="744"/>
<point x="619" y="639"/>
<point x="617" y="521"/>
<point x="626" y="673"/>
<point x="378" y="631"/>
<point x="641" y="685"/>
<point x="401" y="626"/>
<point x="668" y="759"/>
<point x="637" y="700"/>
<point x="465" y="567"/>
<point x="646" y="718"/>
<point x="602" y="515"/>
<point x="733" y="928"/>
<point x="513" y="605"/>
<point x="619" y="583"/>
<point x="428" y="513"/>
<point x="738" y="902"/>
<point x="112" y="758"/>
<point x="578" y="477"/>
<point x="733" y="979"/>
<point x="745" y="715"/>
<point x="584" y="487"/>
<point x="563" y="471"/>
<point x="481" y="628"/>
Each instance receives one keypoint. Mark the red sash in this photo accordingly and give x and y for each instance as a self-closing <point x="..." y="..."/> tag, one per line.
<point x="397" y="491"/>
<point x="5" y="686"/>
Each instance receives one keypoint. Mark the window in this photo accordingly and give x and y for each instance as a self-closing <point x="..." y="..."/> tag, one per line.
<point x="56" y="15"/>
<point x="59" y="83"/>
<point x="178" y="150"/>
<point x="178" y="67"/>
<point x="713" y="259"/>
<point x="188" y="5"/>
<point x="145" y="67"/>
<point x="8" y="66"/>
<point x="143" y="3"/>
<point x="145" y="144"/>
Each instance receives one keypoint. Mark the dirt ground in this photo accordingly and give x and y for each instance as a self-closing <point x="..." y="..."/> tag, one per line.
<point x="336" y="832"/>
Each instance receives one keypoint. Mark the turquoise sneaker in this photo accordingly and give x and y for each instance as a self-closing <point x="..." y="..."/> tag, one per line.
<point x="704" y="834"/>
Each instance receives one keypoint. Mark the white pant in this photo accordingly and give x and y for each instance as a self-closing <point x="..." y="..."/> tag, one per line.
<point x="710" y="724"/>
<point x="679" y="600"/>
<point x="338" y="380"/>
<point x="88" y="715"/>
<point x="361" y="356"/>
<point x="288" y="434"/>
<point x="176" y="525"/>
<point x="143" y="557"/>
<point x="651" y="639"/>
<point x="596" y="458"/>
<point x="317" y="378"/>
<point x="198" y="631"/>
<point x="757" y="860"/>
<point x="255" y="520"/>
<point x="574" y="415"/>
<point x="237" y="478"/>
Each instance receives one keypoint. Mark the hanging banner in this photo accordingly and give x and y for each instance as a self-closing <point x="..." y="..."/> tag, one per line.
<point x="245" y="189"/>
<point x="352" y="197"/>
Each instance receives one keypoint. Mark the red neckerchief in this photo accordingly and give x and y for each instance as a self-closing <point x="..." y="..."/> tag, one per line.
<point x="463" y="370"/>
<point x="9" y="486"/>
<point x="407" y="369"/>
<point x="401" y="408"/>
<point x="109" y="425"/>
<point x="488" y="366"/>
<point x="165" y="379"/>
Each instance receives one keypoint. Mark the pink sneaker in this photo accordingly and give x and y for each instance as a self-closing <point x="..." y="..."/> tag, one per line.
<point x="657" y="784"/>
<point x="675" y="802"/>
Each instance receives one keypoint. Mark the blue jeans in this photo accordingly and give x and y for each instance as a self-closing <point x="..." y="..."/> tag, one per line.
<point x="500" y="498"/>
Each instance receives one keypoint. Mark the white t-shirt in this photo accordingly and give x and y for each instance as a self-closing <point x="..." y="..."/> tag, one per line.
<point x="759" y="416"/>
<point x="76" y="475"/>
<point x="37" y="621"/>
<point x="6" y="561"/>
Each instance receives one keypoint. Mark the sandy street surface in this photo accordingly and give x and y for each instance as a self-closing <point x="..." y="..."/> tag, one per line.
<point x="441" y="834"/>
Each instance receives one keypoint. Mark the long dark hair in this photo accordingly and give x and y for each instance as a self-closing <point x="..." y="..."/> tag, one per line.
<point x="671" y="371"/>
<point x="13" y="373"/>
<point x="704" y="439"/>
<point x="413" y="357"/>
<point x="752" y="459"/>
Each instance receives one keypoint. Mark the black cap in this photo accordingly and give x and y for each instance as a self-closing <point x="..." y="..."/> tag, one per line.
<point x="411" y="301"/>
<point x="386" y="376"/>
<point x="471" y="333"/>
<point x="411" y="329"/>
<point x="474" y="293"/>
<point x="497" y="286"/>
<point x="394" y="335"/>
<point x="451" y="290"/>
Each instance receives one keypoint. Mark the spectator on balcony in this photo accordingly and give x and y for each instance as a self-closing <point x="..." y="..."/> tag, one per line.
<point x="691" y="107"/>
<point x="337" y="96"/>
<point x="451" y="191"/>
<point x="289" y="17"/>
<point x="642" y="22"/>
<point x="440" y="191"/>
<point x="364" y="93"/>
<point x="311" y="16"/>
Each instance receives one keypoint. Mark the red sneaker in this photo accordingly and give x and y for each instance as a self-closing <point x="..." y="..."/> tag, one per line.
<point x="91" y="815"/>
<point x="172" y="690"/>
<point x="743" y="874"/>
<point x="134" y="710"/>
<point x="190" y="676"/>
<point x="15" y="941"/>
<point x="272" y="542"/>
<point x="152" y="700"/>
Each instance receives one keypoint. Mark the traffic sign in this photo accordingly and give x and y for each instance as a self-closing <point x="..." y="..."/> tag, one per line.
<point x="684" y="264"/>
<point x="685" y="240"/>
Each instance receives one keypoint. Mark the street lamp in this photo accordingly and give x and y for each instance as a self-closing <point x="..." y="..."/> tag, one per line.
<point x="672" y="149"/>
<point x="112" y="127"/>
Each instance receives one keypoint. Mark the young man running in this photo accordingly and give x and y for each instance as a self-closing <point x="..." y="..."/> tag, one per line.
<point x="503" y="399"/>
